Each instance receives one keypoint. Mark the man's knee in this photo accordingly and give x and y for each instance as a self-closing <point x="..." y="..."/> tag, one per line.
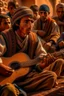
<point x="59" y="61"/>
<point x="52" y="79"/>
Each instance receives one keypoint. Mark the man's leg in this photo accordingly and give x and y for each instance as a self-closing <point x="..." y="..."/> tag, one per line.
<point x="57" y="67"/>
<point x="37" y="81"/>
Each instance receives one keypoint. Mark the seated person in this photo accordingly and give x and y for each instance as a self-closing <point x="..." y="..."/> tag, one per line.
<point x="4" y="23"/>
<point x="35" y="10"/>
<point x="47" y="29"/>
<point x="59" y="18"/>
<point x="11" y="8"/>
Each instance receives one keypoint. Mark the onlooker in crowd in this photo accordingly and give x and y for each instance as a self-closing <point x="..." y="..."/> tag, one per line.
<point x="4" y="22"/>
<point x="60" y="21"/>
<point x="35" y="10"/>
<point x="59" y="18"/>
<point x="46" y="28"/>
<point x="11" y="8"/>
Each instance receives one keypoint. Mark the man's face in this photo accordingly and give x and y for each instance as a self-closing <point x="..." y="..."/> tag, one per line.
<point x="35" y="13"/>
<point x="43" y="15"/>
<point x="11" y="9"/>
<point x="25" y="26"/>
<point x="60" y="12"/>
<point x="4" y="25"/>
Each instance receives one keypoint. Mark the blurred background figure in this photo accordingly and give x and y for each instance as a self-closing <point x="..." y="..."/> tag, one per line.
<point x="60" y="21"/>
<point x="4" y="22"/>
<point x="11" y="8"/>
<point x="35" y="9"/>
<point x="60" y="16"/>
<point x="46" y="28"/>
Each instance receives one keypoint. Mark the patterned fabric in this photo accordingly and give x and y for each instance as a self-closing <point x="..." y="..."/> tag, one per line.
<point x="47" y="27"/>
<point x="14" y="43"/>
<point x="31" y="40"/>
<point x="9" y="37"/>
<point x="36" y="81"/>
<point x="57" y="67"/>
<point x="22" y="45"/>
<point x="21" y="12"/>
<point x="33" y="45"/>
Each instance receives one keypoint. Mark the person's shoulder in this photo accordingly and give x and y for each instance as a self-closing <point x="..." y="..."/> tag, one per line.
<point x="55" y="18"/>
<point x="51" y="19"/>
<point x="7" y="30"/>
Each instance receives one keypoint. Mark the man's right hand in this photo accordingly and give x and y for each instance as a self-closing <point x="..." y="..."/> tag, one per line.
<point x="5" y="70"/>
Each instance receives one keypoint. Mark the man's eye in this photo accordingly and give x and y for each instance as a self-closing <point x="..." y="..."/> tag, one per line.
<point x="26" y="21"/>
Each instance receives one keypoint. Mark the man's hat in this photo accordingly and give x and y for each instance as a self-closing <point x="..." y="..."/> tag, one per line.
<point x="44" y="7"/>
<point x="60" y="5"/>
<point x="20" y="13"/>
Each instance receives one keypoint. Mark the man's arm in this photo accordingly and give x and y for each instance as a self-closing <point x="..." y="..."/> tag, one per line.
<point x="4" y="70"/>
<point x="55" y="33"/>
<point x="41" y="33"/>
<point x="2" y="46"/>
<point x="40" y="51"/>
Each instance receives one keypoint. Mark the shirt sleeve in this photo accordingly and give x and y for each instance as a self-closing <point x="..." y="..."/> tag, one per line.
<point x="2" y="46"/>
<point x="40" y="51"/>
<point x="34" y="27"/>
<point x="55" y="33"/>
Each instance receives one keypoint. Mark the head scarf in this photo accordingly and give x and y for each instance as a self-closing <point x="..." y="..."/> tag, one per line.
<point x="60" y="5"/>
<point x="44" y="7"/>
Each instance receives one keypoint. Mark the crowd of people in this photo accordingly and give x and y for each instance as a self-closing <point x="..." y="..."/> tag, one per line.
<point x="41" y="37"/>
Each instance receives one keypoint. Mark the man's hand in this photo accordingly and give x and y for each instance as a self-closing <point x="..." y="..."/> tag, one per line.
<point x="48" y="59"/>
<point x="61" y="44"/>
<point x="5" y="70"/>
<point x="41" y="33"/>
<point x="49" y="47"/>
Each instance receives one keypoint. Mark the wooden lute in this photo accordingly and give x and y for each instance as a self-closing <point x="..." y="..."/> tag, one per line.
<point x="20" y="62"/>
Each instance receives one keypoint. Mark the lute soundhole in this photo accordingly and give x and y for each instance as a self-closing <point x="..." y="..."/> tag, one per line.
<point x="15" y="65"/>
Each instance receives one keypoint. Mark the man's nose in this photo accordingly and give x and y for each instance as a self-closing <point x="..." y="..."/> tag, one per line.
<point x="29" y="24"/>
<point x="42" y="14"/>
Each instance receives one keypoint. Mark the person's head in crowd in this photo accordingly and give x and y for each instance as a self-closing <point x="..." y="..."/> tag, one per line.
<point x="35" y="9"/>
<point x="60" y="10"/>
<point x="11" y="8"/>
<point x="0" y="10"/>
<point x="22" y="20"/>
<point x="4" y="23"/>
<point x="44" y="12"/>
